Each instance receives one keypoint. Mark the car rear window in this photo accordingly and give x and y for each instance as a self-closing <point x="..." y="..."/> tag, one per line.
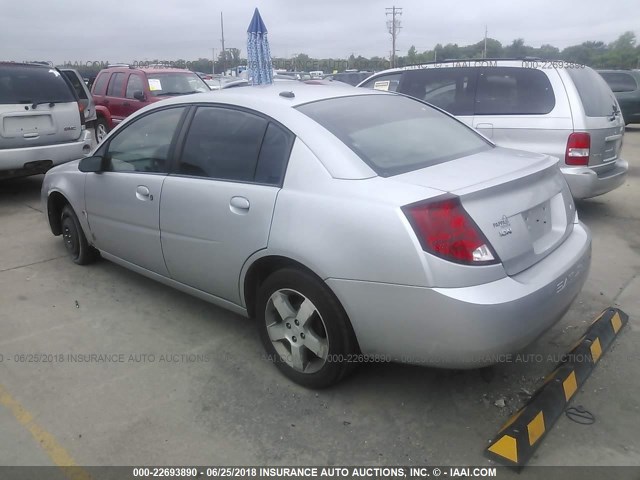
<point x="394" y="134"/>
<point x="27" y="84"/>
<point x="620" y="81"/>
<point x="596" y="96"/>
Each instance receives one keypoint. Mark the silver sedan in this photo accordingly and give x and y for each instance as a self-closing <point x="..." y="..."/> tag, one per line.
<point x="354" y="225"/>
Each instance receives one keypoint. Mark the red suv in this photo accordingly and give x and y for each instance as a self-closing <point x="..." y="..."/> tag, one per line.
<point x="120" y="91"/>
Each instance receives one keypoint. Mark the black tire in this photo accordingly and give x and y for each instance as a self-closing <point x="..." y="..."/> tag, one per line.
<point x="101" y="129"/>
<point x="327" y="326"/>
<point x="74" y="239"/>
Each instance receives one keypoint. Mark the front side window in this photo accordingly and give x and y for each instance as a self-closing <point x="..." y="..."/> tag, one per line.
<point x="223" y="144"/>
<point x="514" y="91"/>
<point x="115" y="85"/>
<point x="394" y="134"/>
<point x="134" y="85"/>
<point x="144" y="145"/>
<point x="450" y="89"/>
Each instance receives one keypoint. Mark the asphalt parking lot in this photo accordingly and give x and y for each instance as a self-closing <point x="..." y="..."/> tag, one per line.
<point x="194" y="389"/>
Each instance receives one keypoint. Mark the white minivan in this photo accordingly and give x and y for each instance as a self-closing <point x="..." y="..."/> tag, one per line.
<point x="558" y="108"/>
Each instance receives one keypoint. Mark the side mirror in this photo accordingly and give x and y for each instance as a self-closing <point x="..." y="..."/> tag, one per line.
<point x="139" y="96"/>
<point x="91" y="165"/>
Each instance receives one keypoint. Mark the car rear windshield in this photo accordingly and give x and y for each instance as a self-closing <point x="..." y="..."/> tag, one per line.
<point x="30" y="84"/>
<point x="394" y="134"/>
<point x="175" y="83"/>
<point x="596" y="96"/>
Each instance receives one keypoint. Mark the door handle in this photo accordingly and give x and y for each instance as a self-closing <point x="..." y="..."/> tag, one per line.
<point x="239" y="205"/>
<point x="143" y="193"/>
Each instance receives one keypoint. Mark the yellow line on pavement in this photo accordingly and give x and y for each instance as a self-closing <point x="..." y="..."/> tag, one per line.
<point x="47" y="442"/>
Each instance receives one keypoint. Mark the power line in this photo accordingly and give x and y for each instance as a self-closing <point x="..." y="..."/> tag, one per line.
<point x="394" y="26"/>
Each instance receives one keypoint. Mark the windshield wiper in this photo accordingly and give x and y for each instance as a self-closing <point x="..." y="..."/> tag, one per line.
<point x="35" y="104"/>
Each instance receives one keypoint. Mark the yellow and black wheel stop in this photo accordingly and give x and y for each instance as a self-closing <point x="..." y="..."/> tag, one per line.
<point x="519" y="438"/>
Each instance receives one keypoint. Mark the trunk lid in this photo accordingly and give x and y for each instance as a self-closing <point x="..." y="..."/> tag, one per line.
<point x="519" y="200"/>
<point x="21" y="126"/>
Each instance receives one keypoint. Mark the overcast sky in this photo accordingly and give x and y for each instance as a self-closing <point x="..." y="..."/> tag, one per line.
<point x="138" y="30"/>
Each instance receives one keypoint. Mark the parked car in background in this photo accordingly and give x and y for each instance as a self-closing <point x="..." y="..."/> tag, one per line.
<point x="567" y="111"/>
<point x="339" y="218"/>
<point x="120" y="91"/>
<point x="351" y="77"/>
<point x="41" y="120"/>
<point x="625" y="85"/>
<point x="84" y="96"/>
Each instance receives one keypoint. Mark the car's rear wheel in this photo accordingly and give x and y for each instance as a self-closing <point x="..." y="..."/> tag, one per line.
<point x="304" y="329"/>
<point x="102" y="129"/>
<point x="74" y="239"/>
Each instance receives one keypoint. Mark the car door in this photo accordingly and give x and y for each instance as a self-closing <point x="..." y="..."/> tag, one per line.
<point x="135" y="88"/>
<point x="218" y="203"/>
<point x="84" y="96"/>
<point x="517" y="108"/>
<point x="451" y="89"/>
<point x="114" y="99"/>
<point x="123" y="201"/>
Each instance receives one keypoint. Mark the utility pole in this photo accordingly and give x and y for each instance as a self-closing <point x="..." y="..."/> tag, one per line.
<point x="485" y="42"/>
<point x="224" y="53"/>
<point x="394" y="27"/>
<point x="213" y="65"/>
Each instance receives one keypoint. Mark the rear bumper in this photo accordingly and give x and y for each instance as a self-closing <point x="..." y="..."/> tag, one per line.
<point x="467" y="327"/>
<point x="585" y="182"/>
<point x="34" y="160"/>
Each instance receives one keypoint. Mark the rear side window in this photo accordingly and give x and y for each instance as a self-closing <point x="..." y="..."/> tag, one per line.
<point x="620" y="81"/>
<point x="514" y="91"/>
<point x="274" y="155"/>
<point x="115" y="85"/>
<point x="395" y="134"/>
<point x="26" y="84"/>
<point x="450" y="89"/>
<point x="100" y="85"/>
<point x="223" y="144"/>
<point x="597" y="98"/>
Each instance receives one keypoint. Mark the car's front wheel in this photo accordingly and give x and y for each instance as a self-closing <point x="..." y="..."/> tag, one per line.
<point x="74" y="239"/>
<point x="304" y="329"/>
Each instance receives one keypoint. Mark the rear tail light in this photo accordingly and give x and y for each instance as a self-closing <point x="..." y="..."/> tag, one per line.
<point x="81" y="111"/>
<point x="445" y="229"/>
<point x="578" y="146"/>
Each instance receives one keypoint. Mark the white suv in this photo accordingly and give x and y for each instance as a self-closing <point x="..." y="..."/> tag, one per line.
<point x="41" y="122"/>
<point x="559" y="108"/>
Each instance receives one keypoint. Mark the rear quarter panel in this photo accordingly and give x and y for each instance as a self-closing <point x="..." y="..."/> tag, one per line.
<point x="349" y="229"/>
